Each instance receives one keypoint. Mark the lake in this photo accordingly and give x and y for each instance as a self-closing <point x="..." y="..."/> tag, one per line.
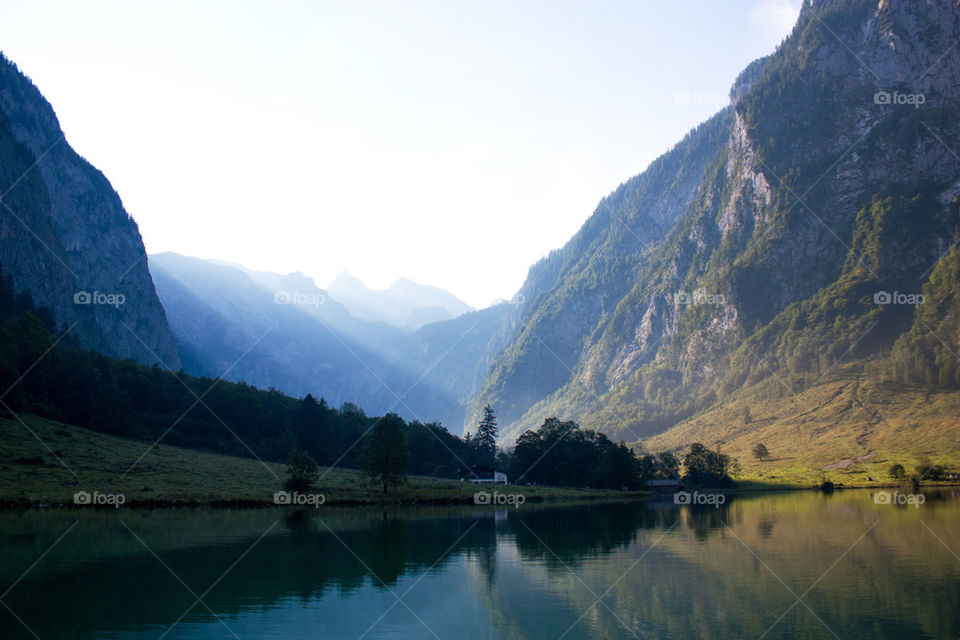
<point x="784" y="565"/>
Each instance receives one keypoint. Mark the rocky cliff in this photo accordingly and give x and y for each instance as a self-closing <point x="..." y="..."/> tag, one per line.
<point x="66" y="237"/>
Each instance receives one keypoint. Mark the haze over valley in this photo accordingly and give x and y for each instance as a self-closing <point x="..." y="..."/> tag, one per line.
<point x="494" y="298"/>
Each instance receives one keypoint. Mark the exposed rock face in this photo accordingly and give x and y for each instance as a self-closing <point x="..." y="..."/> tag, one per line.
<point x="64" y="232"/>
<point x="759" y="236"/>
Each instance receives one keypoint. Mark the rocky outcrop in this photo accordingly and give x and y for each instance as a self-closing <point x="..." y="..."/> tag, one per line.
<point x="66" y="237"/>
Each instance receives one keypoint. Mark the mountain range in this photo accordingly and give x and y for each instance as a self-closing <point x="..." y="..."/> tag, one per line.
<point x="787" y="271"/>
<point x="282" y="331"/>
<point x="404" y="304"/>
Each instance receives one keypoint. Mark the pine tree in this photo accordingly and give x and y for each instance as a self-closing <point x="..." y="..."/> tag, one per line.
<point x="485" y="440"/>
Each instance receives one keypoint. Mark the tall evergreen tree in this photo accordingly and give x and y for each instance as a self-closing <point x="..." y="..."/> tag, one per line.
<point x="485" y="440"/>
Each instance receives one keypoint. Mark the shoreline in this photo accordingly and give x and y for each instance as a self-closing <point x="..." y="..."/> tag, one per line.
<point x="562" y="496"/>
<point x="552" y="495"/>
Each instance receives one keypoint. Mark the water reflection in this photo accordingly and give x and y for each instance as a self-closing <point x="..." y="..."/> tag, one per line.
<point x="610" y="570"/>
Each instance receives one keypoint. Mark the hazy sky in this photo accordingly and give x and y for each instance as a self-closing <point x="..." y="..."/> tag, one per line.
<point x="453" y="143"/>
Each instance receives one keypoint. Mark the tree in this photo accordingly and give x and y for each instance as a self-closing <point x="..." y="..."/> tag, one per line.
<point x="707" y="467"/>
<point x="313" y="430"/>
<point x="897" y="471"/>
<point x="302" y="471"/>
<point x="669" y="464"/>
<point x="929" y="471"/>
<point x="618" y="467"/>
<point x="485" y="440"/>
<point x="560" y="453"/>
<point x="386" y="456"/>
<point x="760" y="451"/>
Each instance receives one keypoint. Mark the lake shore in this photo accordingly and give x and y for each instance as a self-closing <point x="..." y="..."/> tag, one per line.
<point x="500" y="496"/>
<point x="73" y="460"/>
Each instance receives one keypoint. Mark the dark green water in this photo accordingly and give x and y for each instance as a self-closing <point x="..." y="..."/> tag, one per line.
<point x="796" y="565"/>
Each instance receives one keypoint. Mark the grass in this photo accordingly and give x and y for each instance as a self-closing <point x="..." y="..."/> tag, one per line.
<point x="846" y="429"/>
<point x="45" y="462"/>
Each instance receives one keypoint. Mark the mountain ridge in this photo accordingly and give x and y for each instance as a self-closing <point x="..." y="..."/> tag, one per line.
<point x="404" y="304"/>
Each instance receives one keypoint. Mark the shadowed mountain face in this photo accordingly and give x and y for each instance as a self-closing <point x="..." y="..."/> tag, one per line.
<point x="281" y="331"/>
<point x="66" y="237"/>
<point x="405" y="304"/>
<point x="771" y="239"/>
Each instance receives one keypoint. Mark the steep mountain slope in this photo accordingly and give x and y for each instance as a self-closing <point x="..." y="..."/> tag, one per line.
<point x="64" y="232"/>
<point x="567" y="293"/>
<point x="281" y="331"/>
<point x="453" y="355"/>
<point x="404" y="304"/>
<point x="828" y="180"/>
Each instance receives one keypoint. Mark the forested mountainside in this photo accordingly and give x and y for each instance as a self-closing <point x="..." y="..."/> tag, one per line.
<point x="790" y="232"/>
<point x="66" y="238"/>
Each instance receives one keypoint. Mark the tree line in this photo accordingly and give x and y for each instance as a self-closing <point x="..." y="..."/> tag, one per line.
<point x="121" y="397"/>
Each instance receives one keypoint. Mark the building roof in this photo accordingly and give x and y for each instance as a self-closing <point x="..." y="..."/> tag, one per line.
<point x="670" y="482"/>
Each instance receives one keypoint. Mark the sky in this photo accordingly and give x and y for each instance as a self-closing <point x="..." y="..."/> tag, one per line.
<point x="449" y="142"/>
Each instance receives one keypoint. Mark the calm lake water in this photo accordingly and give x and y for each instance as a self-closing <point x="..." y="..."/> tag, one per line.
<point x="791" y="565"/>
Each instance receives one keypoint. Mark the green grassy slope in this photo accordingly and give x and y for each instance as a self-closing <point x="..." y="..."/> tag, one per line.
<point x="30" y="473"/>
<point x="846" y="418"/>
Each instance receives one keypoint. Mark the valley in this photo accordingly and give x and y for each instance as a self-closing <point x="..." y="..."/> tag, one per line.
<point x="250" y="386"/>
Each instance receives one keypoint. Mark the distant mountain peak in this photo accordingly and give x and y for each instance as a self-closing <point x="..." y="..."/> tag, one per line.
<point x="403" y="282"/>
<point x="405" y="304"/>
<point x="345" y="279"/>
